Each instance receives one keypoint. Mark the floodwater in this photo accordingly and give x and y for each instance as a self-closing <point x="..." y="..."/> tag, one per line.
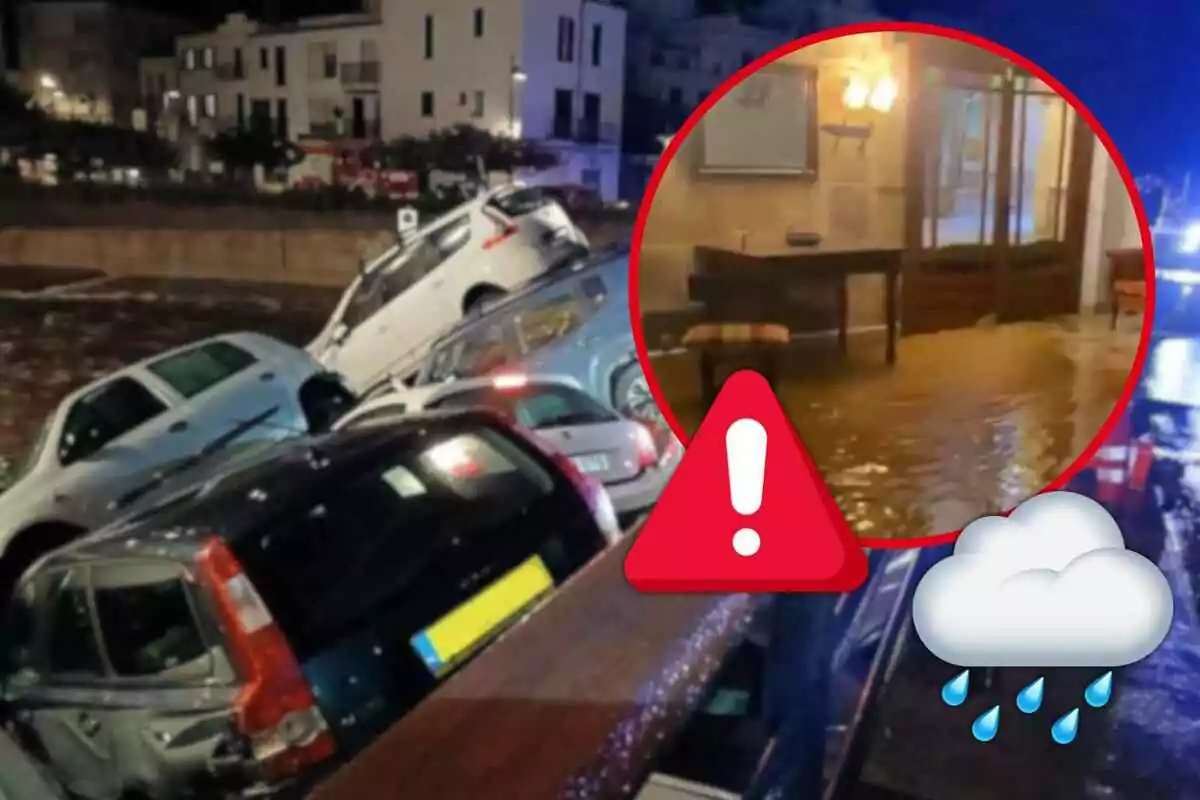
<point x="54" y="342"/>
<point x="966" y="422"/>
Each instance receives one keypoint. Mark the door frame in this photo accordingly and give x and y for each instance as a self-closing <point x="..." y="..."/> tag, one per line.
<point x="983" y="279"/>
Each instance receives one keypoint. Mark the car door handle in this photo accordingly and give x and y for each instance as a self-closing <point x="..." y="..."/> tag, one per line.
<point x="267" y="377"/>
<point x="178" y="427"/>
<point x="88" y="725"/>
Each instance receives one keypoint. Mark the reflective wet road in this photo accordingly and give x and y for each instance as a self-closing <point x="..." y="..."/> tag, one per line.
<point x="966" y="422"/>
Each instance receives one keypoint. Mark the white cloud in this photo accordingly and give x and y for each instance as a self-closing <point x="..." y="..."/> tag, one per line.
<point x="1051" y="585"/>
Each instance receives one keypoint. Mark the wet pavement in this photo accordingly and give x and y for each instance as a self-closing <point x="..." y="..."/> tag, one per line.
<point x="56" y="339"/>
<point x="965" y="423"/>
<point x="1141" y="745"/>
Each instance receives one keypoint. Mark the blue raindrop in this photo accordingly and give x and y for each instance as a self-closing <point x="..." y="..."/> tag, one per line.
<point x="1029" y="699"/>
<point x="986" y="724"/>
<point x="1099" y="691"/>
<point x="954" y="693"/>
<point x="1066" y="728"/>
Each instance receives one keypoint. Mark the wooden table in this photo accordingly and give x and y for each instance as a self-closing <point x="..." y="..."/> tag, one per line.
<point x="731" y="283"/>
<point x="576" y="702"/>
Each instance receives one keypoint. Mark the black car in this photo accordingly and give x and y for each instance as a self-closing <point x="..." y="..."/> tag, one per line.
<point x="250" y="632"/>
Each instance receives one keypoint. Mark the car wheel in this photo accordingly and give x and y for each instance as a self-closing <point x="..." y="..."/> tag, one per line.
<point x="632" y="397"/>
<point x="479" y="299"/>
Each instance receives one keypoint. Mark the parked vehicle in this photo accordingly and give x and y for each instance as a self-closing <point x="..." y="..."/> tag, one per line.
<point x="244" y="636"/>
<point x="453" y="266"/>
<point x="618" y="451"/>
<point x="108" y="441"/>
<point x="572" y="322"/>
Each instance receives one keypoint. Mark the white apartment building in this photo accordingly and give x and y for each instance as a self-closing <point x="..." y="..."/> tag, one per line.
<point x="318" y="76"/>
<point x="546" y="70"/>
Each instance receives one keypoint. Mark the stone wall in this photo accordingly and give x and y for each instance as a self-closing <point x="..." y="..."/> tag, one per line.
<point x="316" y="256"/>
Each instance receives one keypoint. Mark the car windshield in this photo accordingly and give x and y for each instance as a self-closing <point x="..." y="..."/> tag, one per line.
<point x="535" y="406"/>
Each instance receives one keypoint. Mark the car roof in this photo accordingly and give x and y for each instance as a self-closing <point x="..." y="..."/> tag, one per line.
<point x="598" y="261"/>
<point x="241" y="500"/>
<point x="421" y="394"/>
<point x="260" y="345"/>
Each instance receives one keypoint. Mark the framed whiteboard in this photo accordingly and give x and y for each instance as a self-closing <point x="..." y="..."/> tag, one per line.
<point x="766" y="125"/>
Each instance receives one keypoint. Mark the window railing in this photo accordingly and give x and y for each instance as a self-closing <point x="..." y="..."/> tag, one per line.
<point x="360" y="72"/>
<point x="586" y="130"/>
<point x="231" y="72"/>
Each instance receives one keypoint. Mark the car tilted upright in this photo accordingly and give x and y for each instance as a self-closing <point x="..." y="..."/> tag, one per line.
<point x="445" y="270"/>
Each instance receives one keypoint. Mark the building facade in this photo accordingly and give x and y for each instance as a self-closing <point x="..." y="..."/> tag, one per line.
<point x="80" y="59"/>
<point x="317" y="76"/>
<point x="546" y="70"/>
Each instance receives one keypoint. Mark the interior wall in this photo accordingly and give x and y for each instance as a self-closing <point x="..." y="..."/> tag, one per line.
<point x="855" y="201"/>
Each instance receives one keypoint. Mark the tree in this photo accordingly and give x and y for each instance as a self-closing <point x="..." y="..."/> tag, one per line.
<point x="460" y="149"/>
<point x="241" y="149"/>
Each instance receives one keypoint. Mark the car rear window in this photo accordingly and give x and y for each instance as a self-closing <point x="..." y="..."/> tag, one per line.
<point x="148" y="627"/>
<point x="193" y="371"/>
<point x="534" y="406"/>
<point x="370" y="537"/>
<point x="521" y="201"/>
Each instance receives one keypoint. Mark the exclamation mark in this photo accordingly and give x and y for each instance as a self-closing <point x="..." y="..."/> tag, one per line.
<point x="746" y="452"/>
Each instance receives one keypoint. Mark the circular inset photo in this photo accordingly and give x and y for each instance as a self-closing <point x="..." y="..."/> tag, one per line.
<point x="928" y="246"/>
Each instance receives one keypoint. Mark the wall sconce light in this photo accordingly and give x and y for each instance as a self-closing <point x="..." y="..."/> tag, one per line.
<point x="880" y="96"/>
<point x="883" y="96"/>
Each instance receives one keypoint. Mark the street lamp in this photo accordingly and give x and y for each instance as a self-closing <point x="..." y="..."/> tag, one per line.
<point x="518" y="77"/>
<point x="48" y="81"/>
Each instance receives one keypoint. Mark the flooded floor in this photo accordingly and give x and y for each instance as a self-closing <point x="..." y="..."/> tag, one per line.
<point x="966" y="422"/>
<point x="52" y="343"/>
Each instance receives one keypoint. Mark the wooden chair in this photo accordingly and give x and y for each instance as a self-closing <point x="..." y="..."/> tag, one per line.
<point x="1127" y="272"/>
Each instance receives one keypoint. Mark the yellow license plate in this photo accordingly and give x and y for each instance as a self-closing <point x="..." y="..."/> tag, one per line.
<point x="447" y="641"/>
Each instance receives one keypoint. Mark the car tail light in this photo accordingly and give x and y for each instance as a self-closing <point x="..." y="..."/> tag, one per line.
<point x="510" y="381"/>
<point x="592" y="490"/>
<point x="506" y="233"/>
<point x="276" y="710"/>
<point x="647" y="449"/>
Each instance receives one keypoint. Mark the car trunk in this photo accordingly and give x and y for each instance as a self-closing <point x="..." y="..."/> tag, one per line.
<point x="377" y="623"/>
<point x="606" y="451"/>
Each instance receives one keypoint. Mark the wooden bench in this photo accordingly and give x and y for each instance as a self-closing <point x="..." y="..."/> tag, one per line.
<point x="1127" y="268"/>
<point x="757" y="345"/>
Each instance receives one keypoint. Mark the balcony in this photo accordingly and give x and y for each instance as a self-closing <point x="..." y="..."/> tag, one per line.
<point x="586" y="130"/>
<point x="230" y="72"/>
<point x="361" y="75"/>
<point x="346" y="129"/>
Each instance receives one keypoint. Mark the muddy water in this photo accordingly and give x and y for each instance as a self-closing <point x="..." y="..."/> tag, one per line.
<point x="966" y="422"/>
<point x="49" y="347"/>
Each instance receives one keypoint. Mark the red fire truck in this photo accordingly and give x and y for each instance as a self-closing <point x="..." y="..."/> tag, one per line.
<point x="355" y="164"/>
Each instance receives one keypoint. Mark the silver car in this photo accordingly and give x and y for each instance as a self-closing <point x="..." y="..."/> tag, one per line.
<point x="619" y="452"/>
<point x="116" y="439"/>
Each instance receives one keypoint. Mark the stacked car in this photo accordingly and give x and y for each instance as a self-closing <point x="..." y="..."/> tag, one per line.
<point x="235" y="563"/>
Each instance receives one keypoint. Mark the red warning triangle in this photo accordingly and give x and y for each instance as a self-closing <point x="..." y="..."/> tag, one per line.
<point x="799" y="540"/>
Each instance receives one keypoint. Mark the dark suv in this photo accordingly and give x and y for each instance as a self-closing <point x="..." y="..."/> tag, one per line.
<point x="246" y="634"/>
